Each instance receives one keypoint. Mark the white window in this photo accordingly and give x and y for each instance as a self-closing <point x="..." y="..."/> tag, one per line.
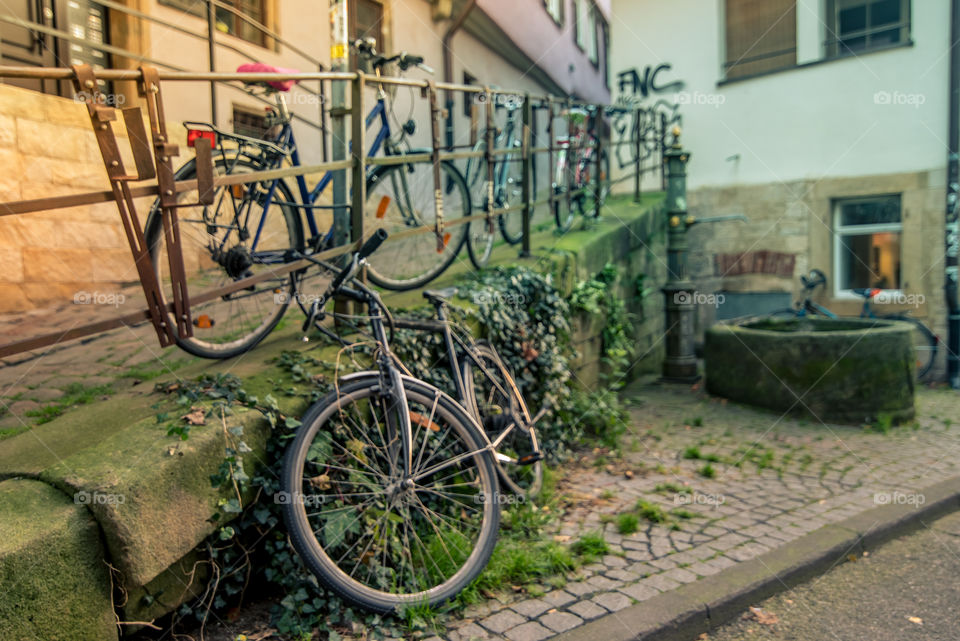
<point x="580" y="10"/>
<point x="855" y="26"/>
<point x="555" y="9"/>
<point x="867" y="243"/>
<point x="593" y="49"/>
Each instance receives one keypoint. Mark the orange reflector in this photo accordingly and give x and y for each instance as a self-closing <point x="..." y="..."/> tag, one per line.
<point x="446" y="239"/>
<point x="237" y="190"/>
<point x="382" y="207"/>
<point x="203" y="321"/>
<point x="423" y="421"/>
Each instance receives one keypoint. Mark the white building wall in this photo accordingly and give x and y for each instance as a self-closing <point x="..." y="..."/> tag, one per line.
<point x="838" y="118"/>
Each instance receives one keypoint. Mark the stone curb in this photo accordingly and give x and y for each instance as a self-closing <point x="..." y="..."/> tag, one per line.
<point x="689" y="611"/>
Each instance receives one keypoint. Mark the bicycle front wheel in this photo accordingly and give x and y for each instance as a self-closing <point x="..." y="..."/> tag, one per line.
<point x="511" y="222"/>
<point x="401" y="200"/>
<point x="230" y="240"/>
<point x="496" y="402"/>
<point x="382" y="539"/>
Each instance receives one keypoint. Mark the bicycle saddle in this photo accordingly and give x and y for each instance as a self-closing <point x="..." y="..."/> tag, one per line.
<point x="866" y="292"/>
<point x="439" y="295"/>
<point x="259" y="67"/>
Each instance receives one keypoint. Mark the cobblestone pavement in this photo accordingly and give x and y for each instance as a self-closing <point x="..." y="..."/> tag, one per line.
<point x="770" y="480"/>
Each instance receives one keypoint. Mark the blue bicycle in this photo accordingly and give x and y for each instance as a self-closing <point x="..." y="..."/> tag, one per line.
<point x="252" y="228"/>
<point x="924" y="341"/>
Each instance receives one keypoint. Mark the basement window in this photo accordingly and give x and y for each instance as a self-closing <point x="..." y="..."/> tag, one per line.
<point x="867" y="243"/>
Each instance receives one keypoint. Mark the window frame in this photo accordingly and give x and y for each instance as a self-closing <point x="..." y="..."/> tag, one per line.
<point x="555" y="9"/>
<point x="200" y="10"/>
<point x="727" y="65"/>
<point x="831" y="43"/>
<point x="839" y="232"/>
<point x="579" y="24"/>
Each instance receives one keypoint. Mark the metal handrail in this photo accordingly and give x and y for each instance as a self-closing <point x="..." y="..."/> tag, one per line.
<point x="653" y="133"/>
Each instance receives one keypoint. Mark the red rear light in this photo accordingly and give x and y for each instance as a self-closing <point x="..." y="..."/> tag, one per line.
<point x="875" y="292"/>
<point x="194" y="134"/>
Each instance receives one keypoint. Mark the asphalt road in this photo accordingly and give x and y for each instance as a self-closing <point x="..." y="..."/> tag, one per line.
<point x="906" y="590"/>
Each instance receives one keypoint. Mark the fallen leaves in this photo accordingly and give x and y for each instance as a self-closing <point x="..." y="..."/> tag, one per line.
<point x="196" y="416"/>
<point x="761" y="616"/>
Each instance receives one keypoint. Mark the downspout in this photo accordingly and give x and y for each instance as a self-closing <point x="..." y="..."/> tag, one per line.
<point x="448" y="65"/>
<point x="952" y="229"/>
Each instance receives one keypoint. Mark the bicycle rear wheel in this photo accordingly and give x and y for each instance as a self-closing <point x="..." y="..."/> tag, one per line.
<point x="511" y="223"/>
<point x="924" y="344"/>
<point x="401" y="198"/>
<point x="495" y="401"/>
<point x="218" y="249"/>
<point x="379" y="539"/>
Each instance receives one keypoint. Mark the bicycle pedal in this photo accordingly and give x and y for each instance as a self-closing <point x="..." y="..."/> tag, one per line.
<point x="530" y="459"/>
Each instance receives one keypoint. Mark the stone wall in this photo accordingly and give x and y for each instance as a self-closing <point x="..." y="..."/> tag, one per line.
<point x="796" y="218"/>
<point x="47" y="148"/>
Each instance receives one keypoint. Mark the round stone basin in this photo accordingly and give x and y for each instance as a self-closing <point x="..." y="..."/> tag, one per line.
<point x="837" y="370"/>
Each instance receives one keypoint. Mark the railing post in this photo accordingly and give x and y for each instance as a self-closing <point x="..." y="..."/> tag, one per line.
<point x="339" y="52"/>
<point x="527" y="175"/>
<point x="212" y="53"/>
<point x="551" y="202"/>
<point x="598" y="178"/>
<point x="359" y="182"/>
<point x="680" y="364"/>
<point x="636" y="156"/>
<point x="488" y="156"/>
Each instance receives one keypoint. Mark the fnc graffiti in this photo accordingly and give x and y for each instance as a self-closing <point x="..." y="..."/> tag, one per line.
<point x="632" y="82"/>
<point x="637" y="118"/>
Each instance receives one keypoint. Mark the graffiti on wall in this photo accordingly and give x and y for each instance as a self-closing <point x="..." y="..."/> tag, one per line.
<point x="643" y="113"/>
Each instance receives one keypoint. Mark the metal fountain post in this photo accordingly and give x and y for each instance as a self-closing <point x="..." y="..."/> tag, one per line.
<point x="680" y="364"/>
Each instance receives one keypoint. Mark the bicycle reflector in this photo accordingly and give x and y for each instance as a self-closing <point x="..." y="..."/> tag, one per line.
<point x="874" y="292"/>
<point x="443" y="245"/>
<point x="203" y="322"/>
<point x="382" y="207"/>
<point x="194" y="134"/>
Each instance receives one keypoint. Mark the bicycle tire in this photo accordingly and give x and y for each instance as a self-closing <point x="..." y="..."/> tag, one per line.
<point x="481" y="237"/>
<point x="590" y="209"/>
<point x="476" y="168"/>
<point x="324" y="459"/>
<point x="565" y="210"/>
<point x="231" y="325"/>
<point x="511" y="194"/>
<point x="486" y="402"/>
<point x="411" y="261"/>
<point x="925" y="343"/>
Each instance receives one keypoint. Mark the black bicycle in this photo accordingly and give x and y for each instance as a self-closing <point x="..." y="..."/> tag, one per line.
<point x="390" y="485"/>
<point x="925" y="342"/>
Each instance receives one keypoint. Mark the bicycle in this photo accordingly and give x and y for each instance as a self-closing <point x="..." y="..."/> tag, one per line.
<point x="925" y="341"/>
<point x="251" y="228"/>
<point x="571" y="181"/>
<point x="390" y="486"/>
<point x="507" y="187"/>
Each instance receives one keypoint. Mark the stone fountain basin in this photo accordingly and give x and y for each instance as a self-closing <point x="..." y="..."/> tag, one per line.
<point x="836" y="370"/>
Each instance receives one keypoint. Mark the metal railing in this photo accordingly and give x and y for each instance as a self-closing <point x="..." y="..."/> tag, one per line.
<point x="645" y="135"/>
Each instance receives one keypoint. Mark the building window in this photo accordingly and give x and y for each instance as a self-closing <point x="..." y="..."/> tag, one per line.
<point x="867" y="242"/>
<point x="469" y="99"/>
<point x="593" y="47"/>
<point x="249" y="122"/>
<point x="580" y="10"/>
<point x="761" y="36"/>
<point x="228" y="21"/>
<point x="855" y="26"/>
<point x="555" y="9"/>
<point x="366" y="21"/>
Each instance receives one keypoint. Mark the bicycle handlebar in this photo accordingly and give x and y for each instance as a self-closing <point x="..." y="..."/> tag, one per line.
<point x="816" y="279"/>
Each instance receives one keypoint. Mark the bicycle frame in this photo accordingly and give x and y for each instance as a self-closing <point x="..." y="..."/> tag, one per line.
<point x="273" y="153"/>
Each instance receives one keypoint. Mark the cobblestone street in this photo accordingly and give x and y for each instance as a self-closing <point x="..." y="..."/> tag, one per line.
<point x="774" y="480"/>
